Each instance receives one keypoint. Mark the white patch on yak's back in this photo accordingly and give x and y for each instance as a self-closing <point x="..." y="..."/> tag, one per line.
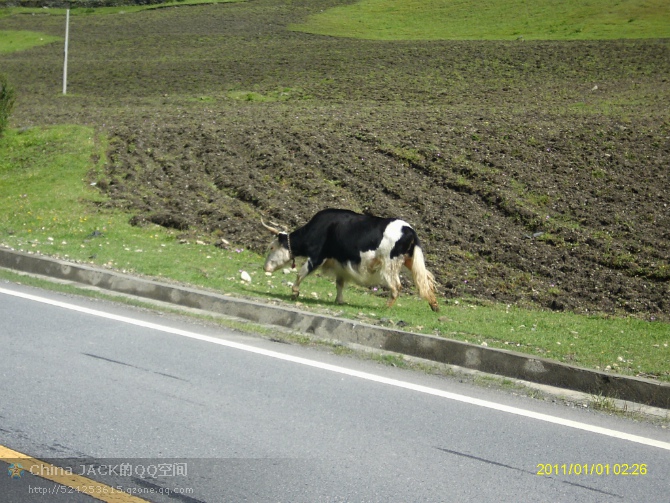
<point x="392" y="234"/>
<point x="375" y="267"/>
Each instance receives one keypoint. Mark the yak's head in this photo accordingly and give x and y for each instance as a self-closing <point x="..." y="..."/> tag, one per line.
<point x="280" y="250"/>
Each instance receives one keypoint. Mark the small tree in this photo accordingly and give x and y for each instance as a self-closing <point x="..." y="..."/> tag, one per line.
<point x="6" y="102"/>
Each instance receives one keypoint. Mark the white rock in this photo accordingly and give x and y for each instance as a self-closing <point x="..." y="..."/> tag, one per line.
<point x="245" y="276"/>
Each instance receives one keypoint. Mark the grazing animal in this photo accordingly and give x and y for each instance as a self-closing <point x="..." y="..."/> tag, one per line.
<point x="360" y="248"/>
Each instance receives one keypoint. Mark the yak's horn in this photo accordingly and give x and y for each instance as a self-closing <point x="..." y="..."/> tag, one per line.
<point x="271" y="229"/>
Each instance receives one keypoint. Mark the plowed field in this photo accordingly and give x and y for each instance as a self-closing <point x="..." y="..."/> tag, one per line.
<point x="535" y="173"/>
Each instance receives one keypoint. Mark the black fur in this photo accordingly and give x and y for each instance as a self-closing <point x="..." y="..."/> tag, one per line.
<point x="343" y="235"/>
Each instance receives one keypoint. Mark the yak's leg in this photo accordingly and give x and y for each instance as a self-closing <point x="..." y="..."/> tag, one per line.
<point x="393" y="280"/>
<point x="340" y="287"/>
<point x="395" y="292"/>
<point x="304" y="271"/>
<point x="391" y="301"/>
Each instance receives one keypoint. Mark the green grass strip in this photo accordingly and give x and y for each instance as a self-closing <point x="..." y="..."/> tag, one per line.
<point x="12" y="41"/>
<point x="493" y="20"/>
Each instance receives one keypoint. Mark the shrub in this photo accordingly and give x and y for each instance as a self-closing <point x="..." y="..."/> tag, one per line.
<point x="6" y="103"/>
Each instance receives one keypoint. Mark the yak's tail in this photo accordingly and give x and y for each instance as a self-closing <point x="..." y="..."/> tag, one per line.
<point x="424" y="279"/>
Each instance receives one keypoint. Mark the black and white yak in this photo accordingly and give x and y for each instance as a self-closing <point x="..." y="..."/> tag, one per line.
<point x="360" y="248"/>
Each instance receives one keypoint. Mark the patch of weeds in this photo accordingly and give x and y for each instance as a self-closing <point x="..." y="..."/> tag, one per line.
<point x="603" y="403"/>
<point x="538" y="199"/>
<point x="619" y="260"/>
<point x="391" y="360"/>
<point x="340" y="349"/>
<point x="292" y="338"/>
<point x="487" y="380"/>
<point x="598" y="174"/>
<point x="409" y="155"/>
<point x="534" y="393"/>
<point x="554" y="290"/>
<point x="281" y="94"/>
<point x="551" y="239"/>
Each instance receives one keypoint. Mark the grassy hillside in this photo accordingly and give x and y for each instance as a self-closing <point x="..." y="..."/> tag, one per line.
<point x="492" y="20"/>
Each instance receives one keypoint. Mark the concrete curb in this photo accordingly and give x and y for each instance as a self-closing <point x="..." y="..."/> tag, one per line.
<point x="462" y="354"/>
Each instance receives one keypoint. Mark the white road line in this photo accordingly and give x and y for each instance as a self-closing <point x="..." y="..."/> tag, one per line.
<point x="353" y="373"/>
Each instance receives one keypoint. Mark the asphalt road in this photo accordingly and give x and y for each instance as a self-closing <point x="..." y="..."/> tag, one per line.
<point x="170" y="409"/>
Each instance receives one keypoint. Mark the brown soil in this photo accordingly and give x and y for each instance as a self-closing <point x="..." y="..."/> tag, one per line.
<point x="535" y="172"/>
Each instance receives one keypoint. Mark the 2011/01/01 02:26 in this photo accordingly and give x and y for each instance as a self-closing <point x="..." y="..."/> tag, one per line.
<point x="598" y="469"/>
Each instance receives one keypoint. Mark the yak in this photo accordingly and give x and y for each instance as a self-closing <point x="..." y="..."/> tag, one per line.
<point x="365" y="249"/>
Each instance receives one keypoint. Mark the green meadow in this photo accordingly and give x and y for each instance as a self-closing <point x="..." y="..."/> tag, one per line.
<point x="11" y="41"/>
<point x="493" y="20"/>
